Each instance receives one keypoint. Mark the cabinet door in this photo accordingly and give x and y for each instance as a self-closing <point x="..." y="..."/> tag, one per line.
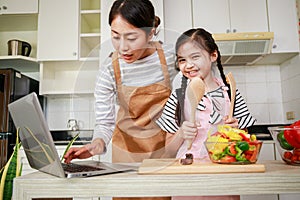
<point x="284" y="24"/>
<point x="212" y="15"/>
<point x="58" y="30"/>
<point x="18" y="6"/>
<point x="248" y="16"/>
<point x="219" y="16"/>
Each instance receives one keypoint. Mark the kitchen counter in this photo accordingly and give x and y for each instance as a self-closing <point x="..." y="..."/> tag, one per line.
<point x="278" y="178"/>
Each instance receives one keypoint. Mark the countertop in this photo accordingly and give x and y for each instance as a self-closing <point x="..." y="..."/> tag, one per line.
<point x="279" y="178"/>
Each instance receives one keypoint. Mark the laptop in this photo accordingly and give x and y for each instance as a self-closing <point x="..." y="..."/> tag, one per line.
<point x="39" y="147"/>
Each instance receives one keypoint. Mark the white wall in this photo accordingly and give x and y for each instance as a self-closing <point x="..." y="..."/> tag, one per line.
<point x="290" y="77"/>
<point x="261" y="88"/>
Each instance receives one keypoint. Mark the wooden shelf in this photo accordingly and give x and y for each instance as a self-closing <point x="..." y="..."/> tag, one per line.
<point x="20" y="63"/>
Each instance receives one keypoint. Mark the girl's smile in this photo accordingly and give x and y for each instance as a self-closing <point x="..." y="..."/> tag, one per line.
<point x="193" y="61"/>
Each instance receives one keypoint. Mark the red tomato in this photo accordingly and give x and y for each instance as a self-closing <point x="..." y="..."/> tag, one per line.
<point x="287" y="155"/>
<point x="232" y="149"/>
<point x="294" y="158"/>
<point x="248" y="154"/>
<point x="228" y="159"/>
<point x="296" y="152"/>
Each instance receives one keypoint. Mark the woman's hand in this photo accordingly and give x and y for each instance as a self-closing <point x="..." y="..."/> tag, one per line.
<point x="96" y="147"/>
<point x="233" y="122"/>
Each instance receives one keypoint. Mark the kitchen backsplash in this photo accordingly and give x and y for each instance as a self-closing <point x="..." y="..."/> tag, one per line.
<point x="270" y="92"/>
<point x="61" y="109"/>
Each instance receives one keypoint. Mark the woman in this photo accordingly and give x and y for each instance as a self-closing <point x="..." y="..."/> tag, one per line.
<point x="138" y="75"/>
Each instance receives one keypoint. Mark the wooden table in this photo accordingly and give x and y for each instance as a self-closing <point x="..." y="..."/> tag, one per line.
<point x="279" y="178"/>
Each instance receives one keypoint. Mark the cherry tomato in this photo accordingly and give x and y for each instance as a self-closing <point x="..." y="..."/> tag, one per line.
<point x="294" y="158"/>
<point x="296" y="152"/>
<point x="287" y="155"/>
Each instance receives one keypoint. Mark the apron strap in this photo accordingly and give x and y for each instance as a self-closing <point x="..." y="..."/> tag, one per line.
<point x="115" y="63"/>
<point x="163" y="63"/>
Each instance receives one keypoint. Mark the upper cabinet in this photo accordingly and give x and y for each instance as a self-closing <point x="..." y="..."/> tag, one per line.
<point x="58" y="26"/>
<point x="283" y="21"/>
<point x="18" y="6"/>
<point x="229" y="16"/>
<point x="68" y="46"/>
<point x="90" y="37"/>
<point x="68" y="30"/>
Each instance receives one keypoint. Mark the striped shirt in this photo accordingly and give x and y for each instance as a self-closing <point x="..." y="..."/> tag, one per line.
<point x="168" y="121"/>
<point x="142" y="72"/>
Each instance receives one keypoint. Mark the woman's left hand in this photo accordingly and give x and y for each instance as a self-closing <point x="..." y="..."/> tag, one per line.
<point x="233" y="122"/>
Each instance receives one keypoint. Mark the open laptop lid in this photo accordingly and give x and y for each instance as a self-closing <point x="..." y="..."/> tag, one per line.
<point x="35" y="135"/>
<point x="38" y="144"/>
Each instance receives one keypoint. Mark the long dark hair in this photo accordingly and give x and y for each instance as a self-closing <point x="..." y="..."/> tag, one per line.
<point x="139" y="13"/>
<point x="206" y="41"/>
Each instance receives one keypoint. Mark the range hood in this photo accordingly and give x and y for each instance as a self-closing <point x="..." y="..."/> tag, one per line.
<point x="243" y="48"/>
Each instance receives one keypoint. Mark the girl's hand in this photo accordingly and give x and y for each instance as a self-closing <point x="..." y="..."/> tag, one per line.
<point x="233" y="122"/>
<point x="188" y="130"/>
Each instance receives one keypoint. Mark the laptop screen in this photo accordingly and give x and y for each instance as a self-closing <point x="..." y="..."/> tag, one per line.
<point x="35" y="135"/>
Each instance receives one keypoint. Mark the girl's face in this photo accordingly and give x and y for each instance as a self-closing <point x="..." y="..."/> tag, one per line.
<point x="129" y="41"/>
<point x="194" y="61"/>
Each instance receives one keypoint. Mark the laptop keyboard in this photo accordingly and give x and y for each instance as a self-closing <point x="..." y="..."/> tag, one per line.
<point x="71" y="167"/>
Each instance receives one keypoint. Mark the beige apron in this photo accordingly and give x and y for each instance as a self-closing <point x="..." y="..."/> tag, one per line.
<point x="136" y="135"/>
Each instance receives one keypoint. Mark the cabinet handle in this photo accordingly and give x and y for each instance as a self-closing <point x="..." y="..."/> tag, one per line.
<point x="227" y="30"/>
<point x="274" y="46"/>
<point x="74" y="53"/>
<point x="234" y="30"/>
<point x="4" y="7"/>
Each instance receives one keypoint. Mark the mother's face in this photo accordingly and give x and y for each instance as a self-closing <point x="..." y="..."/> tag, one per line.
<point x="129" y="41"/>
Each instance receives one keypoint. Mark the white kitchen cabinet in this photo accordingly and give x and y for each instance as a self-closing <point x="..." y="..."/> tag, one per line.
<point x="219" y="16"/>
<point x="90" y="37"/>
<point x="71" y="55"/>
<point x="283" y="21"/>
<point x="18" y="6"/>
<point x="58" y="30"/>
<point x="69" y="34"/>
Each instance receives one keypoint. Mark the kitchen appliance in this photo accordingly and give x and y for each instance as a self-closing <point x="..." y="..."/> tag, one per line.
<point x="13" y="85"/>
<point x="243" y="48"/>
<point x="18" y="47"/>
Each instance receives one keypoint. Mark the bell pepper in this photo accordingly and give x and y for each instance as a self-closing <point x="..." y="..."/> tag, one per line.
<point x="229" y="152"/>
<point x="292" y="136"/>
<point x="244" y="146"/>
<point x="283" y="142"/>
<point x="239" y="156"/>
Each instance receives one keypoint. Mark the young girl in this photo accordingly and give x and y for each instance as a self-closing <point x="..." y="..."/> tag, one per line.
<point x="198" y="56"/>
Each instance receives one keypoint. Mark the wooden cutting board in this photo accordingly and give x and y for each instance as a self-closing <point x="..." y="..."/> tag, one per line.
<point x="173" y="166"/>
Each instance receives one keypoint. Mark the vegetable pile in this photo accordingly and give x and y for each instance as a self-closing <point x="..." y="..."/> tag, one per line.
<point x="289" y="140"/>
<point x="232" y="146"/>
